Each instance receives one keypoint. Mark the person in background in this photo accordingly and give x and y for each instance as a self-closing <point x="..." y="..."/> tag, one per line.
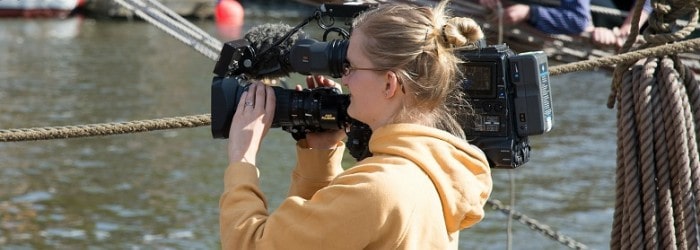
<point x="609" y="30"/>
<point x="571" y="17"/>
<point x="423" y="182"/>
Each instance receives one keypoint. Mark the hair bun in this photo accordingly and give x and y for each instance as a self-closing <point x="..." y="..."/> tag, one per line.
<point x="461" y="31"/>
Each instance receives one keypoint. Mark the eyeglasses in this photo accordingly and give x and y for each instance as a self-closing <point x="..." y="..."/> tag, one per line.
<point x="347" y="69"/>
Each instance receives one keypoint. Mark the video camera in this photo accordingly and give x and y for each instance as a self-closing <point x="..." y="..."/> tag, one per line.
<point x="510" y="93"/>
<point x="511" y="98"/>
<point x="275" y="50"/>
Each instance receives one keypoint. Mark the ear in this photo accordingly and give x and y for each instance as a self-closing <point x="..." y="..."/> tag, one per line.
<point x="392" y="85"/>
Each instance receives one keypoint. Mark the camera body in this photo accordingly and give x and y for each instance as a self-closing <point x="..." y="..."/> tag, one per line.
<point x="511" y="97"/>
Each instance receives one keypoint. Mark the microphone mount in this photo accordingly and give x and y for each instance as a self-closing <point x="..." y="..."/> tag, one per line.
<point x="331" y="11"/>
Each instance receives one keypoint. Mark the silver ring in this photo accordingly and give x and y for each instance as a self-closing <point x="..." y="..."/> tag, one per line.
<point x="248" y="104"/>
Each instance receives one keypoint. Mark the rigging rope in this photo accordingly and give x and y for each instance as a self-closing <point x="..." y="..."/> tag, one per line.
<point x="658" y="109"/>
<point x="535" y="225"/>
<point x="176" y="26"/>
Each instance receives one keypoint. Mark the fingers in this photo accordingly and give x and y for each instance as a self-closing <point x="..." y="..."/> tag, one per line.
<point x="317" y="81"/>
<point x="270" y="102"/>
<point x="260" y="96"/>
<point x="311" y="81"/>
<point x="603" y="36"/>
<point x="242" y="102"/>
<point x="255" y="97"/>
<point x="248" y="97"/>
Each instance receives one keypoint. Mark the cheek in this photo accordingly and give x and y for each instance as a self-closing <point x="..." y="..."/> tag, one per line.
<point x="358" y="102"/>
<point x="363" y="96"/>
<point x="363" y="104"/>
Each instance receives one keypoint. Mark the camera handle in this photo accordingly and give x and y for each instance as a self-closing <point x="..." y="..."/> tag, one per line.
<point x="325" y="10"/>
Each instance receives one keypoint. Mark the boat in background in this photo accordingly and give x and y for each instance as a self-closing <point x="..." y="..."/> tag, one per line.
<point x="39" y="8"/>
<point x="190" y="9"/>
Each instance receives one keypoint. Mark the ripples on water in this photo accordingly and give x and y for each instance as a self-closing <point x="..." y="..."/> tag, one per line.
<point x="161" y="189"/>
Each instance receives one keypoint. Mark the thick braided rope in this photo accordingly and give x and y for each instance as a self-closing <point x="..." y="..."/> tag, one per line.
<point x="682" y="143"/>
<point x="616" y="235"/>
<point x="690" y="45"/>
<point x="627" y="135"/>
<point x="692" y="86"/>
<point x="643" y="101"/>
<point x="63" y="132"/>
<point x="633" y="208"/>
<point x="657" y="177"/>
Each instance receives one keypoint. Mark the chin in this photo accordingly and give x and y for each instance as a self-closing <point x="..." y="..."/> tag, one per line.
<point x="352" y="113"/>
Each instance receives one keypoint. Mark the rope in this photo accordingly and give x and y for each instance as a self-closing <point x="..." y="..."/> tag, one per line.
<point x="628" y="57"/>
<point x="536" y="225"/>
<point x="175" y="26"/>
<point x="658" y="106"/>
<point x="64" y="132"/>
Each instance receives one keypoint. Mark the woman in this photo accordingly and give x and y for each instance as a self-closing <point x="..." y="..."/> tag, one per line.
<point x="424" y="181"/>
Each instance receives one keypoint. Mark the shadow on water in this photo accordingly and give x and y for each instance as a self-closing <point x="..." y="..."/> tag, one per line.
<point x="160" y="189"/>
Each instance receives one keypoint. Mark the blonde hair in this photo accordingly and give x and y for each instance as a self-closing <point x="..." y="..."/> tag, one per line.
<point x="418" y="43"/>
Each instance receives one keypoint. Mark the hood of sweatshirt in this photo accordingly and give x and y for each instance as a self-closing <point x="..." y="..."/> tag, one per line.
<point x="459" y="170"/>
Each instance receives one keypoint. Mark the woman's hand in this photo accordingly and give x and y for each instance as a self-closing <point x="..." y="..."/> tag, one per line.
<point x="327" y="139"/>
<point x="250" y="123"/>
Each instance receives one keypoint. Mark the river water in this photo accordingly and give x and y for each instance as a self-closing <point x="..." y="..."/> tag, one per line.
<point x="160" y="190"/>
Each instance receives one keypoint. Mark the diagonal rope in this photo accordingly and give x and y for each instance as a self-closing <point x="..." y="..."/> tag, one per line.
<point x="536" y="225"/>
<point x="176" y="26"/>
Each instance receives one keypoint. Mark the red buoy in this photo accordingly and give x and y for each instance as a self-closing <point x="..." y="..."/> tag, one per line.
<point x="229" y="16"/>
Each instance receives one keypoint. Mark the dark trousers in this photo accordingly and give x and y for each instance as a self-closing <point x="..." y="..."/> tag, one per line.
<point x="609" y="21"/>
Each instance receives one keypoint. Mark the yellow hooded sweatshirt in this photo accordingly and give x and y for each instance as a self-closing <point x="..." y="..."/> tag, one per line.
<point x="421" y="186"/>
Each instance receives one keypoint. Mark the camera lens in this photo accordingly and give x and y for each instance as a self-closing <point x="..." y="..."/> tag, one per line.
<point x="309" y="56"/>
<point x="313" y="109"/>
<point x="310" y="109"/>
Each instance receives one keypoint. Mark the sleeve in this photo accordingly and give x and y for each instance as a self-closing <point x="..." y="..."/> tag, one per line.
<point x="324" y="208"/>
<point x="315" y="169"/>
<point x="647" y="6"/>
<point x="347" y="214"/>
<point x="571" y="17"/>
<point x="243" y="207"/>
